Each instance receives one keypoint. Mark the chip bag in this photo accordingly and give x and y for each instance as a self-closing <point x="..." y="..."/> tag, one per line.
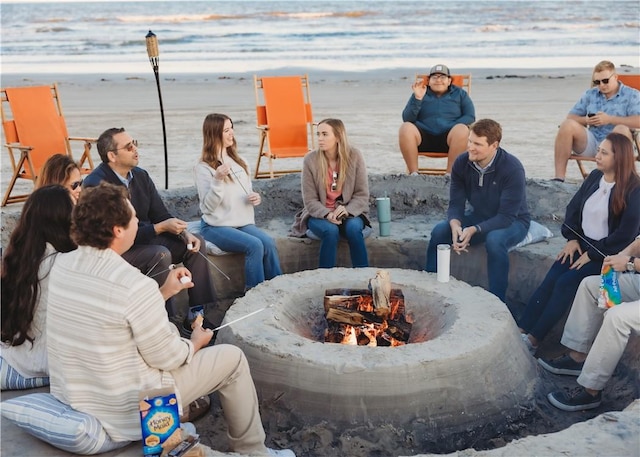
<point x="609" y="288"/>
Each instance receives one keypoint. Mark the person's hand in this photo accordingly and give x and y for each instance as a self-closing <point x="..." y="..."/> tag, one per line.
<point x="254" y="198"/>
<point x="200" y="337"/>
<point x="331" y="217"/>
<point x="190" y="238"/>
<point x="599" y="119"/>
<point x="419" y="89"/>
<point x="618" y="262"/>
<point x="582" y="261"/>
<point x="463" y="239"/>
<point x="222" y="171"/>
<point x="172" y="285"/>
<point x="340" y="212"/>
<point x="568" y="251"/>
<point x="172" y="225"/>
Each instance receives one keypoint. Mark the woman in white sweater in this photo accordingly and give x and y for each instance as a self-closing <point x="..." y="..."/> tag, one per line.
<point x="227" y="200"/>
<point x="42" y="232"/>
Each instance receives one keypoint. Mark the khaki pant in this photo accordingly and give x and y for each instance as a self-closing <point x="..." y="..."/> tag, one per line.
<point x="224" y="368"/>
<point x="603" y="334"/>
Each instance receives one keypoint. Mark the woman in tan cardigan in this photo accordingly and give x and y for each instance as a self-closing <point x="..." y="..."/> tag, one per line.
<point x="335" y="191"/>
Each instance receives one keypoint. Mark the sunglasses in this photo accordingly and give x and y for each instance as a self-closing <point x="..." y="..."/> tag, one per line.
<point x="76" y="184"/>
<point x="596" y="82"/>
<point x="130" y="146"/>
<point x="334" y="184"/>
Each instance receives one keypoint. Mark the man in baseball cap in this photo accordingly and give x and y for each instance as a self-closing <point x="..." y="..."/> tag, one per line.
<point x="436" y="119"/>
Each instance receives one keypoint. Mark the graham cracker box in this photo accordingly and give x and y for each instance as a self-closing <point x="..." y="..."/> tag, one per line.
<point x="160" y="422"/>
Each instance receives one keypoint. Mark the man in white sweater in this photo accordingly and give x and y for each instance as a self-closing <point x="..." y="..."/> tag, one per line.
<point x="109" y="337"/>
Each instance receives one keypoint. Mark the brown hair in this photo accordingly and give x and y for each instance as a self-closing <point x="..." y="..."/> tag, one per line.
<point x="212" y="130"/>
<point x="98" y="211"/>
<point x="627" y="177"/>
<point x="106" y="143"/>
<point x="489" y="129"/>
<point x="344" y="149"/>
<point x="56" y="170"/>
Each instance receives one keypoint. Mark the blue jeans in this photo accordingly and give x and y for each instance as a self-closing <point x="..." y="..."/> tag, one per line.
<point x="329" y="234"/>
<point x="497" y="243"/>
<point x="261" y="256"/>
<point x="554" y="296"/>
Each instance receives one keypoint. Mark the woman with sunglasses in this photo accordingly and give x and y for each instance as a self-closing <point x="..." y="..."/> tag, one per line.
<point x="61" y="169"/>
<point x="41" y="232"/>
<point x="601" y="220"/>
<point x="335" y="192"/>
<point x="227" y="201"/>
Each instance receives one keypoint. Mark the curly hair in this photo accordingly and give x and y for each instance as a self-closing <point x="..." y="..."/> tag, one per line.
<point x="45" y="218"/>
<point x="99" y="209"/>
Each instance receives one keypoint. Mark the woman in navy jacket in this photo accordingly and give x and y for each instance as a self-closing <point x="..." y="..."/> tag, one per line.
<point x="605" y="212"/>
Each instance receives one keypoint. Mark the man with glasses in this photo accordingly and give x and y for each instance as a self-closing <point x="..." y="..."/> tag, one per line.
<point x="436" y="119"/>
<point x="609" y="106"/>
<point x="162" y="240"/>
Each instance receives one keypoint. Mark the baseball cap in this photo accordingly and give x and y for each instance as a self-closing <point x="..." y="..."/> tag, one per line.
<point x="441" y="69"/>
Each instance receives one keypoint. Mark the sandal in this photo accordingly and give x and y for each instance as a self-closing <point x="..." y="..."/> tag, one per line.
<point x="196" y="409"/>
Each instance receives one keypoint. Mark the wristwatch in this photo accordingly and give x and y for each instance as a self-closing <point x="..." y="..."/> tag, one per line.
<point x="631" y="264"/>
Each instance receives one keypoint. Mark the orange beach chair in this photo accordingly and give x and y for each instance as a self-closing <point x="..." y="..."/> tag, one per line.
<point x="463" y="81"/>
<point x="284" y="120"/>
<point x="35" y="129"/>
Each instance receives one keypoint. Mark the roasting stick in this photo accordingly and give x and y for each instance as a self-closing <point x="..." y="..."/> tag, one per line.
<point x="238" y="179"/>
<point x="242" y="318"/>
<point x="556" y="218"/>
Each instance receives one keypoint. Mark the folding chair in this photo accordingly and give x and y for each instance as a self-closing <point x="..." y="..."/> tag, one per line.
<point x="463" y="81"/>
<point x="631" y="80"/>
<point x="284" y="120"/>
<point x="34" y="125"/>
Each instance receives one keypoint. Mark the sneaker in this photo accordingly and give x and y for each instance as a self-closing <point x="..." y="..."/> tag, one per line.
<point x="576" y="400"/>
<point x="562" y="365"/>
<point x="280" y="452"/>
<point x="527" y="342"/>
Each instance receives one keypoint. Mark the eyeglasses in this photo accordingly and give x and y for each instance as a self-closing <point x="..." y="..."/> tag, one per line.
<point x="438" y="76"/>
<point x="334" y="184"/>
<point x="130" y="146"/>
<point x="76" y="184"/>
<point x="596" y="82"/>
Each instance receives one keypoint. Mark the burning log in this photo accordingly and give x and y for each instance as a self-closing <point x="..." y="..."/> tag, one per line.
<point x="367" y="317"/>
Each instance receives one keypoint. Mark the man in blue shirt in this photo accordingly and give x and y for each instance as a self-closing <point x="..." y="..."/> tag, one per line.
<point x="436" y="119"/>
<point x="609" y="106"/>
<point x="492" y="181"/>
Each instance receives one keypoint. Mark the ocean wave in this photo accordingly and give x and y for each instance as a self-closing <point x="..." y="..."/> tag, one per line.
<point x="53" y="29"/>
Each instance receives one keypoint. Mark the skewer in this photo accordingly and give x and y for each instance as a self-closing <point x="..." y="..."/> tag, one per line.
<point x="214" y="266"/>
<point x="556" y="218"/>
<point x="171" y="267"/>
<point x="237" y="179"/>
<point x="242" y="318"/>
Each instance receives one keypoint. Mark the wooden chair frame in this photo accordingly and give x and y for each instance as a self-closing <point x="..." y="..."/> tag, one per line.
<point x="463" y="81"/>
<point x="23" y="167"/>
<point x="265" y="129"/>
<point x="631" y="80"/>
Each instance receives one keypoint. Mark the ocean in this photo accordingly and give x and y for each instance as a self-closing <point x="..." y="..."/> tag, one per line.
<point x="250" y="36"/>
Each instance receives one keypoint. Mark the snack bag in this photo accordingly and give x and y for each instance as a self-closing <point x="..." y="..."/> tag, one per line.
<point x="609" y="288"/>
<point x="160" y="422"/>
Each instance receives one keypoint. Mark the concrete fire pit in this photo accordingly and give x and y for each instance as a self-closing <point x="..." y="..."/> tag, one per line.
<point x="465" y="365"/>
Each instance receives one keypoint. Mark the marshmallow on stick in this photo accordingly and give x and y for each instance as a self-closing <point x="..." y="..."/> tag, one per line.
<point x="197" y="322"/>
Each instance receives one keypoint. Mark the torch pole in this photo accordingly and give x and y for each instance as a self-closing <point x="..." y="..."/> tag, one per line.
<point x="154" y="59"/>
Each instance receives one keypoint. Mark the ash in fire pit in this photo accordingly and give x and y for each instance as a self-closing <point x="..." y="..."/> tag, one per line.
<point x="367" y="317"/>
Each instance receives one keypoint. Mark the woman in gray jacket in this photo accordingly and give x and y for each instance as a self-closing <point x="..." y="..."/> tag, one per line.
<point x="335" y="191"/>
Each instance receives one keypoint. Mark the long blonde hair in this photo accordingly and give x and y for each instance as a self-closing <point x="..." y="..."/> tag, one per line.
<point x="212" y="144"/>
<point x="344" y="150"/>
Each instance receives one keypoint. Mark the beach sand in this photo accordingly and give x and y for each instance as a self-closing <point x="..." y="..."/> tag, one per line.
<point x="530" y="104"/>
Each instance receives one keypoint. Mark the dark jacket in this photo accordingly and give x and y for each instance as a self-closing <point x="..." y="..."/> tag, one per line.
<point x="498" y="197"/>
<point x="144" y="197"/>
<point x="623" y="228"/>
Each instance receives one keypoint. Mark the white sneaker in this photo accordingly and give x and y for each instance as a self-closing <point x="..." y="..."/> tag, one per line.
<point x="280" y="452"/>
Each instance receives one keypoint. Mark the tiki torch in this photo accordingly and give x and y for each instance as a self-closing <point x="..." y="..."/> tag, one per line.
<point x="154" y="58"/>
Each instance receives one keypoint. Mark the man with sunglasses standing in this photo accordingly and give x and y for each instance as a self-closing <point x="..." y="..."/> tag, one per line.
<point x="436" y="119"/>
<point x="162" y="240"/>
<point x="609" y="106"/>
